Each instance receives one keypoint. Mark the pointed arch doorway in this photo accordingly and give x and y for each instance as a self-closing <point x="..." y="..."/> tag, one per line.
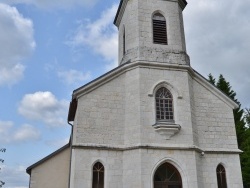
<point x="167" y="176"/>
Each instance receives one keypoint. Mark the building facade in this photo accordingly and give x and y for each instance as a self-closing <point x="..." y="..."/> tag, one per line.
<point x="152" y="122"/>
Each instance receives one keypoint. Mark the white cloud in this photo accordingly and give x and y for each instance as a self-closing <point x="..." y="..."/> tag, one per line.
<point x="26" y="132"/>
<point x="4" y="127"/>
<point x="218" y="41"/>
<point x="16" y="36"/>
<point x="44" y="106"/>
<point x="11" y="75"/>
<point x="15" y="177"/>
<point x="52" y="4"/>
<point x="10" y="134"/>
<point x="58" y="143"/>
<point x="101" y="35"/>
<point x="73" y="76"/>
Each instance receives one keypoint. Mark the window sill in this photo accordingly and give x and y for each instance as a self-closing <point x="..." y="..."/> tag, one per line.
<point x="167" y="129"/>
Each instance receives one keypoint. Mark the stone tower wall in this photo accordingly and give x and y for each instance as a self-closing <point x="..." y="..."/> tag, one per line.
<point x="137" y="21"/>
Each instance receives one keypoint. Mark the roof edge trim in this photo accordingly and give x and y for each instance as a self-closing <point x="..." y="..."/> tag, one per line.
<point x="182" y="3"/>
<point x="118" y="71"/>
<point x="120" y="11"/>
<point x="199" y="78"/>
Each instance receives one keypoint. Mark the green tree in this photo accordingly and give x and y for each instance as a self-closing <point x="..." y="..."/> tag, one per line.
<point x="247" y="117"/>
<point x="242" y="131"/>
<point x="239" y="121"/>
<point x="2" y="161"/>
<point x="245" y="157"/>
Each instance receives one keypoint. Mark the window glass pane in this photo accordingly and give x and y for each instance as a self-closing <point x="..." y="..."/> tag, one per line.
<point x="221" y="177"/>
<point x="167" y="176"/>
<point x="164" y="104"/>
<point x="98" y="176"/>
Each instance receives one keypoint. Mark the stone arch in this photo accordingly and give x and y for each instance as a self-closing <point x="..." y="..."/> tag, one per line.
<point x="170" y="87"/>
<point x="160" y="12"/>
<point x="174" y="91"/>
<point x="175" y="164"/>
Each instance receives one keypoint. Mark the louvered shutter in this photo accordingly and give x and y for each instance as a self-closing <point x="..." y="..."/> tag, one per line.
<point x="159" y="29"/>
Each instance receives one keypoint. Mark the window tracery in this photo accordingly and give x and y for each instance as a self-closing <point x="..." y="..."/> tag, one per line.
<point x="164" y="105"/>
<point x="221" y="176"/>
<point x="98" y="176"/>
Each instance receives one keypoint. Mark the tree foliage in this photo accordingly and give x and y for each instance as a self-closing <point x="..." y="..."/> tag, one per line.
<point x="245" y="157"/>
<point x="242" y="122"/>
<point x="2" y="161"/>
<point x="247" y="117"/>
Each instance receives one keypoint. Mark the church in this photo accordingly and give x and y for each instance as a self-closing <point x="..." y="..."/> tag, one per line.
<point x="152" y="122"/>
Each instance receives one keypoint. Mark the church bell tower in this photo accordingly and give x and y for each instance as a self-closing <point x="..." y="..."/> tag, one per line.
<point x="151" y="31"/>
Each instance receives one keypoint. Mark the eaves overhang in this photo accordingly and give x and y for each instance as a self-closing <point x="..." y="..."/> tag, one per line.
<point x="72" y="110"/>
<point x="120" y="12"/>
<point x="182" y="3"/>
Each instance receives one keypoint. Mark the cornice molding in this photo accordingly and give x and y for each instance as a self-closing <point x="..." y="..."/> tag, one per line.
<point x="123" y="4"/>
<point x="121" y="70"/>
<point x="164" y="66"/>
<point x="157" y="147"/>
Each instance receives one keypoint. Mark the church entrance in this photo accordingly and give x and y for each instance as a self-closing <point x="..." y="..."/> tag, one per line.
<point x="167" y="176"/>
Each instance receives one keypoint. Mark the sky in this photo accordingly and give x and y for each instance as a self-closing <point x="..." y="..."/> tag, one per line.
<point x="49" y="48"/>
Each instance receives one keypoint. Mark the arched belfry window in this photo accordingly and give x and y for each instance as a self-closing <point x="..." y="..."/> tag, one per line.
<point x="221" y="176"/>
<point x="167" y="176"/>
<point x="159" y="29"/>
<point x="98" y="175"/>
<point x="164" y="105"/>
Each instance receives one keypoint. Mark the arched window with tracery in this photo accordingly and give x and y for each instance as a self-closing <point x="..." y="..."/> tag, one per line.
<point x="167" y="176"/>
<point x="159" y="29"/>
<point x="98" y="175"/>
<point x="164" y="105"/>
<point x="221" y="176"/>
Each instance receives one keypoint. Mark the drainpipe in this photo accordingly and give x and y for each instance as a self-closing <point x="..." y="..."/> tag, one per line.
<point x="71" y="135"/>
<point x="71" y="117"/>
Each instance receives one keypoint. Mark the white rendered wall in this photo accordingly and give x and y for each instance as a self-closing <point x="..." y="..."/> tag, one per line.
<point x="215" y="121"/>
<point x="100" y="115"/>
<point x="117" y="115"/>
<point x="52" y="173"/>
